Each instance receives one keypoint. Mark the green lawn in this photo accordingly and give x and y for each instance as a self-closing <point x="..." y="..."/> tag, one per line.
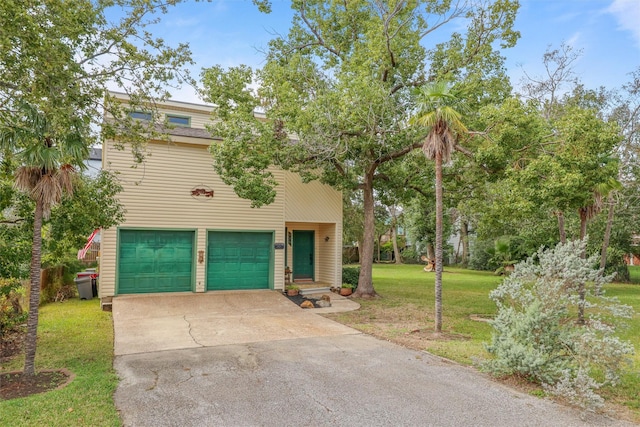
<point x="78" y="336"/>
<point x="634" y="272"/>
<point x="407" y="294"/>
<point x="406" y="308"/>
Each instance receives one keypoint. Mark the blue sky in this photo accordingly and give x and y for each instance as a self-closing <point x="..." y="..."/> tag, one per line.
<point x="233" y="32"/>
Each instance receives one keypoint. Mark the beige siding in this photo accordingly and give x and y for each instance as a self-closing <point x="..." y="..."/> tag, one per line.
<point x="318" y="207"/>
<point x="198" y="118"/>
<point x="107" y="262"/>
<point x="199" y="114"/>
<point x="311" y="202"/>
<point x="329" y="258"/>
<point x="199" y="121"/>
<point x="157" y="194"/>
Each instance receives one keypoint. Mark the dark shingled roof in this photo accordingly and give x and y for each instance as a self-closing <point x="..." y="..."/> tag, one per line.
<point x="190" y="132"/>
<point x="181" y="131"/>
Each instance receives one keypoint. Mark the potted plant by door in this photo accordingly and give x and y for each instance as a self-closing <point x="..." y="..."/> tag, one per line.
<point x="346" y="289"/>
<point x="292" y="290"/>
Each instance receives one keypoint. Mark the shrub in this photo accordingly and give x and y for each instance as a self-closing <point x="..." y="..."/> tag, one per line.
<point x="350" y="255"/>
<point x="386" y="250"/>
<point x="350" y="275"/>
<point x="410" y="256"/>
<point x="539" y="333"/>
<point x="57" y="284"/>
<point x="482" y="256"/>
<point x="11" y="313"/>
<point x="616" y="265"/>
<point x="58" y="281"/>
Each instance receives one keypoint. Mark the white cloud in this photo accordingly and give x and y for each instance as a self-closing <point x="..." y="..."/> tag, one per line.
<point x="574" y="40"/>
<point x="182" y="22"/>
<point x="627" y="13"/>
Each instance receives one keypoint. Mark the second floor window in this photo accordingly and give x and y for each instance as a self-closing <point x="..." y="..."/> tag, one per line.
<point x="140" y="115"/>
<point x="179" y="120"/>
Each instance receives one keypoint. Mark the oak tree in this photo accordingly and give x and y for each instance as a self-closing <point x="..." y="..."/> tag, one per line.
<point x="335" y="94"/>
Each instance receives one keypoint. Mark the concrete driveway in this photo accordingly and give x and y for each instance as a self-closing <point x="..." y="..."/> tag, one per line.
<point x="150" y="323"/>
<point x="255" y="359"/>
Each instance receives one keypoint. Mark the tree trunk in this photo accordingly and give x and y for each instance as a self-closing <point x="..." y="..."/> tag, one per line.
<point x="464" y="234"/>
<point x="607" y="231"/>
<point x="439" y="215"/>
<point x="431" y="253"/>
<point x="563" y="233"/>
<point x="582" y="291"/>
<point x="394" y="237"/>
<point x="34" y="295"/>
<point x="365" y="281"/>
<point x="583" y="223"/>
<point x="378" y="244"/>
<point x="582" y="294"/>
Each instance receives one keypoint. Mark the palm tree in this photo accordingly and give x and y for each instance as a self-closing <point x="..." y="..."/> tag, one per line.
<point x="46" y="173"/>
<point x="587" y="213"/>
<point x="435" y="112"/>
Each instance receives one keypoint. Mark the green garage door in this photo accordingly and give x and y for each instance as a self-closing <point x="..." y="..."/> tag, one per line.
<point x="155" y="261"/>
<point x="238" y="260"/>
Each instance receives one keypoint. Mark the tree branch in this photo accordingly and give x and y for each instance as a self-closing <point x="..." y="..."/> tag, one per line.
<point x="12" y="221"/>
<point x="420" y="191"/>
<point x="417" y="189"/>
<point x="339" y="167"/>
<point x="399" y="153"/>
<point x="315" y="32"/>
<point x="458" y="11"/>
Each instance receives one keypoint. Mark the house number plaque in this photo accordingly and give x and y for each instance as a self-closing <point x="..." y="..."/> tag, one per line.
<point x="278" y="245"/>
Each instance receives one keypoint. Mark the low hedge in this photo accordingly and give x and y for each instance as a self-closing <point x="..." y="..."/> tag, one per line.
<point x="350" y="275"/>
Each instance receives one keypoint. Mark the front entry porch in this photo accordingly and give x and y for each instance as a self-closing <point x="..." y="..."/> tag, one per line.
<point x="312" y="255"/>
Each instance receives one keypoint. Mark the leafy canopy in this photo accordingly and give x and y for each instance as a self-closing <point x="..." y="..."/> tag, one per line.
<point x="337" y="92"/>
<point x="59" y="57"/>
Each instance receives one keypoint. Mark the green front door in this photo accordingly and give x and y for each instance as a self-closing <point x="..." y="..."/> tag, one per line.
<point x="303" y="258"/>
<point x="239" y="260"/>
<point x="155" y="261"/>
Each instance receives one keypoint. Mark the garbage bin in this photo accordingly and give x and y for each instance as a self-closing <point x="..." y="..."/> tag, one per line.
<point x="93" y="276"/>
<point x="83" y="282"/>
<point x="94" y="285"/>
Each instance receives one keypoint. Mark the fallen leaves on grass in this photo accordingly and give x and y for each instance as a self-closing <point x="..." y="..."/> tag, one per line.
<point x="406" y="325"/>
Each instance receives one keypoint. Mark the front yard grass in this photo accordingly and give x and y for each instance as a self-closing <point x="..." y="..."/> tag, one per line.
<point x="404" y="315"/>
<point x="634" y="273"/>
<point x="78" y="336"/>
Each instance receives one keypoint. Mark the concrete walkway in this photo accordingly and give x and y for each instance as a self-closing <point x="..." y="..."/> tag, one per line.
<point x="256" y="359"/>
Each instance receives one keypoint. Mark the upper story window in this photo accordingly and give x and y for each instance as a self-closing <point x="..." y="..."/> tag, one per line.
<point x="140" y="115"/>
<point x="179" y="120"/>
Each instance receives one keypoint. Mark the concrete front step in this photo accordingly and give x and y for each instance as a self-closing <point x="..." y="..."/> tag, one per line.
<point x="308" y="291"/>
<point x="311" y="285"/>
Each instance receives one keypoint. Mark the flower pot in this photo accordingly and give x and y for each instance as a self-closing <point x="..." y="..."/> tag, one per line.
<point x="292" y="292"/>
<point x="345" y="292"/>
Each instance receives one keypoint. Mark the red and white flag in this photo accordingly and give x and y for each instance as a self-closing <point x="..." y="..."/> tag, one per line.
<point x="82" y="252"/>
